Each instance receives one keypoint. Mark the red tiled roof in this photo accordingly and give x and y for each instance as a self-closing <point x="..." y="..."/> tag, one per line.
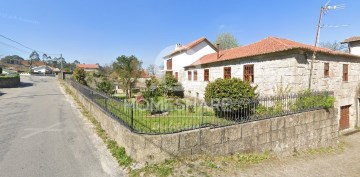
<point x="190" y="46"/>
<point x="265" y="46"/>
<point x="88" y="66"/>
<point x="352" y="39"/>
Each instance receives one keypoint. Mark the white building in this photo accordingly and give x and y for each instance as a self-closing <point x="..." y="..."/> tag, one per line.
<point x="273" y="64"/>
<point x="353" y="45"/>
<point x="182" y="56"/>
<point x="42" y="70"/>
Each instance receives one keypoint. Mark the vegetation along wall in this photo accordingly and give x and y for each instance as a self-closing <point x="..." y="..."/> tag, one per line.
<point x="9" y="81"/>
<point x="281" y="135"/>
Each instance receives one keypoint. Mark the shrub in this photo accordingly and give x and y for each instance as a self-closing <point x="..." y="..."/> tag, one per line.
<point x="231" y="96"/>
<point x="171" y="87"/>
<point x="105" y="86"/>
<point x="0" y="70"/>
<point x="308" y="100"/>
<point x="79" y="75"/>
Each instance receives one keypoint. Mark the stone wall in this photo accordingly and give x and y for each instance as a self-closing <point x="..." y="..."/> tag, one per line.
<point x="9" y="82"/>
<point x="282" y="135"/>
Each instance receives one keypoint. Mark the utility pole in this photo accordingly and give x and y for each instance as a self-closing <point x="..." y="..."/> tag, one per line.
<point x="323" y="10"/>
<point x="315" y="46"/>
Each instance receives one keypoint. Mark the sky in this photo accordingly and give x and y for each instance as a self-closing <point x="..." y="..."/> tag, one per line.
<point x="98" y="31"/>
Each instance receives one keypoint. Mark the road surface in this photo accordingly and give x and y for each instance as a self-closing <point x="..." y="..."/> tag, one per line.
<point x="43" y="134"/>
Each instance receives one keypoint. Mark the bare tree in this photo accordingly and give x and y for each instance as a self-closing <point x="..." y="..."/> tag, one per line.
<point x="335" y="46"/>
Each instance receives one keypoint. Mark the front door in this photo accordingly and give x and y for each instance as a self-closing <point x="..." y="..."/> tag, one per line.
<point x="344" y="118"/>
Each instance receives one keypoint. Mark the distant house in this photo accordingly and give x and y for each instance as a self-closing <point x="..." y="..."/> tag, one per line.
<point x="353" y="45"/>
<point x="182" y="56"/>
<point x="89" y="67"/>
<point x="274" y="64"/>
<point x="42" y="70"/>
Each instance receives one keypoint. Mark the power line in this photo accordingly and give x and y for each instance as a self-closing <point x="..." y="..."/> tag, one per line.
<point x="12" y="40"/>
<point x="11" y="46"/>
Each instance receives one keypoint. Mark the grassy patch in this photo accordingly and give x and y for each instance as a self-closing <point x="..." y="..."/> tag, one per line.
<point x="326" y="150"/>
<point x="178" y="118"/>
<point x="160" y="170"/>
<point x="118" y="152"/>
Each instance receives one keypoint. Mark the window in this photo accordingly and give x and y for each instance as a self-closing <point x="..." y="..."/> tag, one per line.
<point x="326" y="69"/>
<point x="177" y="76"/>
<point x="227" y="72"/>
<point x="249" y="73"/>
<point x="206" y="74"/>
<point x="189" y="75"/>
<point x="169" y="64"/>
<point x="195" y="75"/>
<point x="345" y="72"/>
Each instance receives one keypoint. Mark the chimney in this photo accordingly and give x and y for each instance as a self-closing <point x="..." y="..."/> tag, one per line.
<point x="218" y="51"/>
<point x="178" y="46"/>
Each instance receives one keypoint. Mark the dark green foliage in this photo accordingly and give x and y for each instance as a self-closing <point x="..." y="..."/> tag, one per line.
<point x="191" y="109"/>
<point x="128" y="70"/>
<point x="0" y="70"/>
<point x="11" y="59"/>
<point x="152" y="92"/>
<point x="79" y="75"/>
<point x="105" y="86"/>
<point x="229" y="95"/>
<point x="171" y="87"/>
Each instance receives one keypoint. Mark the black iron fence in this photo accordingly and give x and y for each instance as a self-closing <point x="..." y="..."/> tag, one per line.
<point x="170" y="115"/>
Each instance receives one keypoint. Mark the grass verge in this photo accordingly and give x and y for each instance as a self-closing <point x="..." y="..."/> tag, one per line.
<point x="117" y="152"/>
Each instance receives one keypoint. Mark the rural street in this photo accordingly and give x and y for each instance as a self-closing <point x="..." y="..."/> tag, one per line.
<point x="43" y="134"/>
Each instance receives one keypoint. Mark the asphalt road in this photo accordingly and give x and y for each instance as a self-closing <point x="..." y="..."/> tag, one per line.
<point x="43" y="134"/>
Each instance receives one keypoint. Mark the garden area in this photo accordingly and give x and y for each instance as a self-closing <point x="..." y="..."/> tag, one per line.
<point x="160" y="109"/>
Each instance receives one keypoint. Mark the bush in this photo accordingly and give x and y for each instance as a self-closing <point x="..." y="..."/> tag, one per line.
<point x="105" y="86"/>
<point x="231" y="96"/>
<point x="1" y="70"/>
<point x="308" y="100"/>
<point x="171" y="87"/>
<point x="79" y="75"/>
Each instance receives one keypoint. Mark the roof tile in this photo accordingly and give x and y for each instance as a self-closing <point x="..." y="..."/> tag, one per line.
<point x="265" y="46"/>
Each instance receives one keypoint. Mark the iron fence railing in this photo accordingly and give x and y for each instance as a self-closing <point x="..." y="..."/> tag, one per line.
<point x="175" y="115"/>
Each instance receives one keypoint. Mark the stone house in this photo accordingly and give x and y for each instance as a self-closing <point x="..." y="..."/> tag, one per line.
<point x="275" y="64"/>
<point x="182" y="56"/>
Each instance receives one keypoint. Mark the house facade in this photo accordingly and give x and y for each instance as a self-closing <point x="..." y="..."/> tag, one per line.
<point x="275" y="64"/>
<point x="182" y="56"/>
<point x="89" y="67"/>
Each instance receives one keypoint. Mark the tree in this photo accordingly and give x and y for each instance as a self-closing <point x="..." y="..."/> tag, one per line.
<point x="79" y="75"/>
<point x="44" y="57"/>
<point x="152" y="69"/>
<point x="34" y="56"/>
<point x="76" y="62"/>
<point x="128" y="68"/>
<point x="226" y="41"/>
<point x="335" y="46"/>
<point x="105" y="86"/>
